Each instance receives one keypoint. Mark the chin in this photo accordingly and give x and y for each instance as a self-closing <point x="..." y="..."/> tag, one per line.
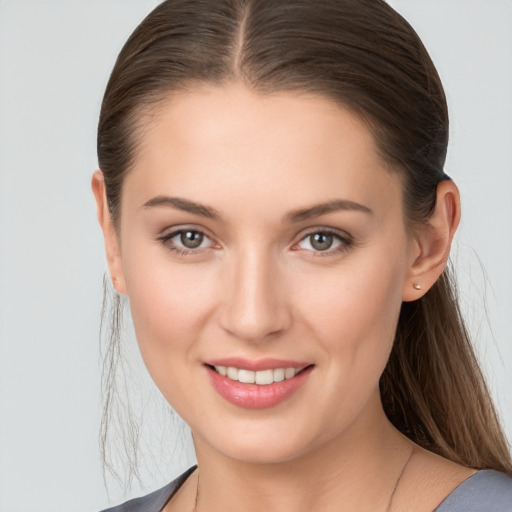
<point x="263" y="454"/>
<point x="259" y="445"/>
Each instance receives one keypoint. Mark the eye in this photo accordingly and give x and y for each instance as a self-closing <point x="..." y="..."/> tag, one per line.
<point x="324" y="241"/>
<point x="186" y="241"/>
<point x="191" y="239"/>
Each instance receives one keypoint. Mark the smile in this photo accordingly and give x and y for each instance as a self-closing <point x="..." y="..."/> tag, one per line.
<point x="267" y="384"/>
<point x="260" y="377"/>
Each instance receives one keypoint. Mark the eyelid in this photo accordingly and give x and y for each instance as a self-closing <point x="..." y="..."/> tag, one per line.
<point x="346" y="240"/>
<point x="167" y="234"/>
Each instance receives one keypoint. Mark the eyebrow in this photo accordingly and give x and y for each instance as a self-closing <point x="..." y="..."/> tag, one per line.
<point x="294" y="216"/>
<point x="185" y="205"/>
<point x="325" y="208"/>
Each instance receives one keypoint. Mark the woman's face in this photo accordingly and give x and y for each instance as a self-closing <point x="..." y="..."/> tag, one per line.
<point x="263" y="233"/>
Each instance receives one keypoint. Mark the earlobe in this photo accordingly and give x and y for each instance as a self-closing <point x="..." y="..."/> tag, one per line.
<point x="112" y="249"/>
<point x="433" y="242"/>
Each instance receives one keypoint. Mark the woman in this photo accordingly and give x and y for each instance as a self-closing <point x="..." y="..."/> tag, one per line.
<point x="274" y="205"/>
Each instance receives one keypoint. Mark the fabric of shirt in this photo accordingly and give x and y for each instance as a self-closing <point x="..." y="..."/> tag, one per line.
<point x="485" y="491"/>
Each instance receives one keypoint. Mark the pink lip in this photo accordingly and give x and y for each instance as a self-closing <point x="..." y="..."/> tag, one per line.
<point x="256" y="365"/>
<point x="254" y="396"/>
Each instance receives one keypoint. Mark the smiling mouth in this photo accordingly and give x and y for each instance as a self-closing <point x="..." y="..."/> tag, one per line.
<point x="260" y="377"/>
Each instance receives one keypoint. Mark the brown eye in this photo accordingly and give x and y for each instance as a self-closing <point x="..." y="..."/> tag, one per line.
<point x="191" y="239"/>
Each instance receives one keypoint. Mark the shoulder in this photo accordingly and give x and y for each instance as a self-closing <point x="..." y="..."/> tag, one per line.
<point x="154" y="501"/>
<point x="485" y="491"/>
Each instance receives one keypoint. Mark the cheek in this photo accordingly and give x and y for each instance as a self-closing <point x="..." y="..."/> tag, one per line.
<point x="353" y="311"/>
<point x="170" y="304"/>
<point x="355" y="295"/>
<point x="351" y="315"/>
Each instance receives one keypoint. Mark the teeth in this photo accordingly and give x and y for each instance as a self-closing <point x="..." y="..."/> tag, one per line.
<point x="232" y="373"/>
<point x="265" y="377"/>
<point x="279" y="374"/>
<point x="262" y="377"/>
<point x="289" y="373"/>
<point x="246" y="376"/>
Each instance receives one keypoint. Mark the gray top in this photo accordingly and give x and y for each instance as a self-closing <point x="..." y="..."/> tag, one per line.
<point x="485" y="491"/>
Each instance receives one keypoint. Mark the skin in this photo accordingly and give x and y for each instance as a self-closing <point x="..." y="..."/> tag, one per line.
<point x="257" y="288"/>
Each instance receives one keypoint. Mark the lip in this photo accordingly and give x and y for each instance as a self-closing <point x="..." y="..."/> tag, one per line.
<point x="256" y="364"/>
<point x="254" y="396"/>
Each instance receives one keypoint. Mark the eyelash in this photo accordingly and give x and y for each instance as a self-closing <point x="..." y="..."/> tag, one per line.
<point x="346" y="242"/>
<point x="166" y="240"/>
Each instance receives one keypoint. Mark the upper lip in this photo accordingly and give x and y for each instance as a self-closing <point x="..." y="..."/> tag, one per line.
<point x="256" y="364"/>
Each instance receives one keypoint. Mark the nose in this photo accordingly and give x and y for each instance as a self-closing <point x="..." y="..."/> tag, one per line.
<point x="255" y="306"/>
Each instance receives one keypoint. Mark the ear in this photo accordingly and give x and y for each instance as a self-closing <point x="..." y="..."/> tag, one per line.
<point x="114" y="261"/>
<point x="432" y="242"/>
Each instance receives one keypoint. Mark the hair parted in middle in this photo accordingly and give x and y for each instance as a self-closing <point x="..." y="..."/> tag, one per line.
<point x="363" y="55"/>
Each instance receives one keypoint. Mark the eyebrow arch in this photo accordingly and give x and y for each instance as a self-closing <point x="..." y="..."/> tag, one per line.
<point x="324" y="208"/>
<point x="183" y="204"/>
<point x="294" y="216"/>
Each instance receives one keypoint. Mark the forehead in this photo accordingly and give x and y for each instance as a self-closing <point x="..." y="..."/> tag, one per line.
<point x="230" y="143"/>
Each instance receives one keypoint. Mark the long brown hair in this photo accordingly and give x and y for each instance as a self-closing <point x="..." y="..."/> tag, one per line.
<point x="365" y="56"/>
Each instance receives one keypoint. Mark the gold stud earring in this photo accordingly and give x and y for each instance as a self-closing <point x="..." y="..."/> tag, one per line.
<point x="416" y="286"/>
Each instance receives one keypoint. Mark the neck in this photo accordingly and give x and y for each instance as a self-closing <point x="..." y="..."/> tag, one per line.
<point x="356" y="470"/>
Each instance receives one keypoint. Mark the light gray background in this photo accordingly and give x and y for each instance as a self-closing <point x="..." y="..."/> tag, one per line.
<point x="55" y="57"/>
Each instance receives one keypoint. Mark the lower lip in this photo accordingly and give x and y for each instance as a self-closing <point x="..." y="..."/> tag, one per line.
<point x="255" y="396"/>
